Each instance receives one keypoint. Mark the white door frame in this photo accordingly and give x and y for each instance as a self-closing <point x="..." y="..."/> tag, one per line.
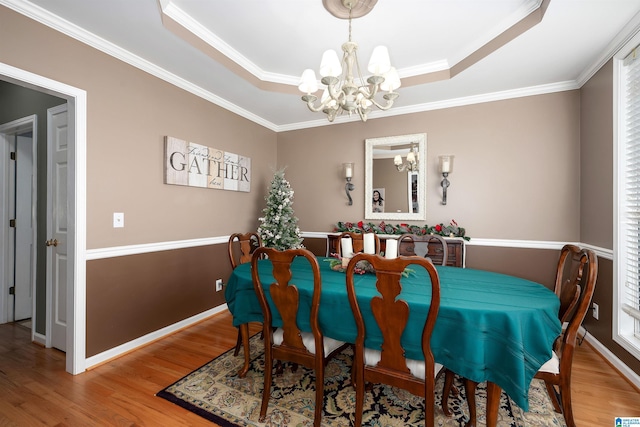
<point x="12" y="128"/>
<point x="76" y="202"/>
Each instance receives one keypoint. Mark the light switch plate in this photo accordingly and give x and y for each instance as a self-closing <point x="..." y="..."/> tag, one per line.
<point x="118" y="220"/>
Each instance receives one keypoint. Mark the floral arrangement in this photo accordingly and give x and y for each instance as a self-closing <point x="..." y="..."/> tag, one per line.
<point x="451" y="230"/>
<point x="362" y="267"/>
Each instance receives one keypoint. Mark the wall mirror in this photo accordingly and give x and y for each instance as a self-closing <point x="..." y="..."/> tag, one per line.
<point x="395" y="177"/>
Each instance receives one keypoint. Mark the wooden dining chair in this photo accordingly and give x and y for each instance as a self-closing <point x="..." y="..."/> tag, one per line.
<point x="288" y="342"/>
<point x="438" y="255"/>
<point x="388" y="363"/>
<point x="576" y="276"/>
<point x="357" y="241"/>
<point x="568" y="276"/>
<point x="241" y="247"/>
<point x="557" y="371"/>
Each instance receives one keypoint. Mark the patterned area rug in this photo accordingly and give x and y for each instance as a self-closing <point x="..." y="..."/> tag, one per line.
<point x="216" y="393"/>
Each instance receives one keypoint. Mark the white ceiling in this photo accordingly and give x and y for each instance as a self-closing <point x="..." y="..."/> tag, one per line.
<point x="275" y="40"/>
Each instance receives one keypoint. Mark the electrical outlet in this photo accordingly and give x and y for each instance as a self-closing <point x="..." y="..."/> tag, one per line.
<point x="596" y="311"/>
<point x="218" y="285"/>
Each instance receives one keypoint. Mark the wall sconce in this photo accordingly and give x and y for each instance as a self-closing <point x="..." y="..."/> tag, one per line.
<point x="348" y="174"/>
<point x="446" y="167"/>
<point x="411" y="165"/>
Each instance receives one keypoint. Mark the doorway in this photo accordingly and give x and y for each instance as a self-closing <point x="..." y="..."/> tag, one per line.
<point x="76" y="219"/>
<point x="18" y="168"/>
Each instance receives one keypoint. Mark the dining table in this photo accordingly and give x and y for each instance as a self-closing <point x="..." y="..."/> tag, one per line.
<point x="490" y="327"/>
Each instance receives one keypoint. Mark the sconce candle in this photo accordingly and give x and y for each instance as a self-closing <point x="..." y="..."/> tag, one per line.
<point x="445" y="164"/>
<point x="446" y="167"/>
<point x="348" y="170"/>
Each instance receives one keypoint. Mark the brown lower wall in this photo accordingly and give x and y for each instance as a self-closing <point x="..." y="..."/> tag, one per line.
<point x="131" y="296"/>
<point x="538" y="265"/>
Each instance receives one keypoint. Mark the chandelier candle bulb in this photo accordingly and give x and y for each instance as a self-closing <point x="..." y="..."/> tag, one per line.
<point x="391" y="250"/>
<point x="369" y="243"/>
<point x="379" y="62"/>
<point x="308" y="83"/>
<point x="330" y="64"/>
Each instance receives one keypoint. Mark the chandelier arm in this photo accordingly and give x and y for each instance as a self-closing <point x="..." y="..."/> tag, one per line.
<point x="373" y="90"/>
<point x="380" y="106"/>
<point x="314" y="108"/>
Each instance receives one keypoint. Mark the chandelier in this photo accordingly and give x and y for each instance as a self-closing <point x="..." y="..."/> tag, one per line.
<point x="411" y="165"/>
<point x="346" y="91"/>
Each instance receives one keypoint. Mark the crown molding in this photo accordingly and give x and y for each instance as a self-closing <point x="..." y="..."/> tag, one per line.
<point x="57" y="23"/>
<point x="440" y="105"/>
<point x="627" y="33"/>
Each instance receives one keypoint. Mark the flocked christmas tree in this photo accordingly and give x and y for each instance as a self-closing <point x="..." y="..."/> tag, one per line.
<point x="279" y="227"/>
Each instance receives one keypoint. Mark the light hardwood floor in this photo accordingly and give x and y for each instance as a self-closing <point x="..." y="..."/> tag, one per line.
<point x="35" y="389"/>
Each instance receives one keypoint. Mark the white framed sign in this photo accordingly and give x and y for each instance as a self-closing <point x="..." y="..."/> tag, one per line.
<point x="195" y="165"/>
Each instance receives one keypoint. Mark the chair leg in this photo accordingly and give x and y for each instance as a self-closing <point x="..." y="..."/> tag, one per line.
<point x="266" y="391"/>
<point x="448" y="383"/>
<point x="317" y="416"/>
<point x="470" y="390"/>
<point x="551" y="391"/>
<point x="567" y="410"/>
<point x="357" y="376"/>
<point x="238" y="344"/>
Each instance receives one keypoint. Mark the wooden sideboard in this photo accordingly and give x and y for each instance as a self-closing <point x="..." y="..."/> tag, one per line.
<point x="455" y="247"/>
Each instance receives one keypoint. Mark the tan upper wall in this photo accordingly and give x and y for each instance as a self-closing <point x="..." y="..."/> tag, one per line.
<point x="596" y="134"/>
<point x="129" y="113"/>
<point x="516" y="173"/>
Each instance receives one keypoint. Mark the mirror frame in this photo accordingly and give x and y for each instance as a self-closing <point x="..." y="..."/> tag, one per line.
<point x="370" y="143"/>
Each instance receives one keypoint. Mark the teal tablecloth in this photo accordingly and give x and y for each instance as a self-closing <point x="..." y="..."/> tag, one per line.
<point x="490" y="327"/>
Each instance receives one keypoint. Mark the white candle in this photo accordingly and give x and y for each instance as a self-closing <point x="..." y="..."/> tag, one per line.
<point x="392" y="249"/>
<point x="445" y="165"/>
<point x="347" y="247"/>
<point x="369" y="243"/>
<point x="348" y="170"/>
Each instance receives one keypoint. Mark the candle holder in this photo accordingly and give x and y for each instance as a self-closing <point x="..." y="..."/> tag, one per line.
<point x="348" y="187"/>
<point x="445" y="167"/>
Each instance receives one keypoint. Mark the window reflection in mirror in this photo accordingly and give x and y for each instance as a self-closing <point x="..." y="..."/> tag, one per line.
<point x="390" y="176"/>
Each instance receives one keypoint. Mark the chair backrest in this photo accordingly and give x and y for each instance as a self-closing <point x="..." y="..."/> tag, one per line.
<point x="438" y="255"/>
<point x="285" y="296"/>
<point x="587" y="284"/>
<point x="357" y="241"/>
<point x="568" y="278"/>
<point x="246" y="243"/>
<point x="391" y="314"/>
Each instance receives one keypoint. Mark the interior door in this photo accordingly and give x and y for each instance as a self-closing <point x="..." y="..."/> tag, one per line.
<point x="25" y="187"/>
<point x="57" y="212"/>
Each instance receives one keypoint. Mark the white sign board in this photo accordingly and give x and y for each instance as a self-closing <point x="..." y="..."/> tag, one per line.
<point x="195" y="165"/>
